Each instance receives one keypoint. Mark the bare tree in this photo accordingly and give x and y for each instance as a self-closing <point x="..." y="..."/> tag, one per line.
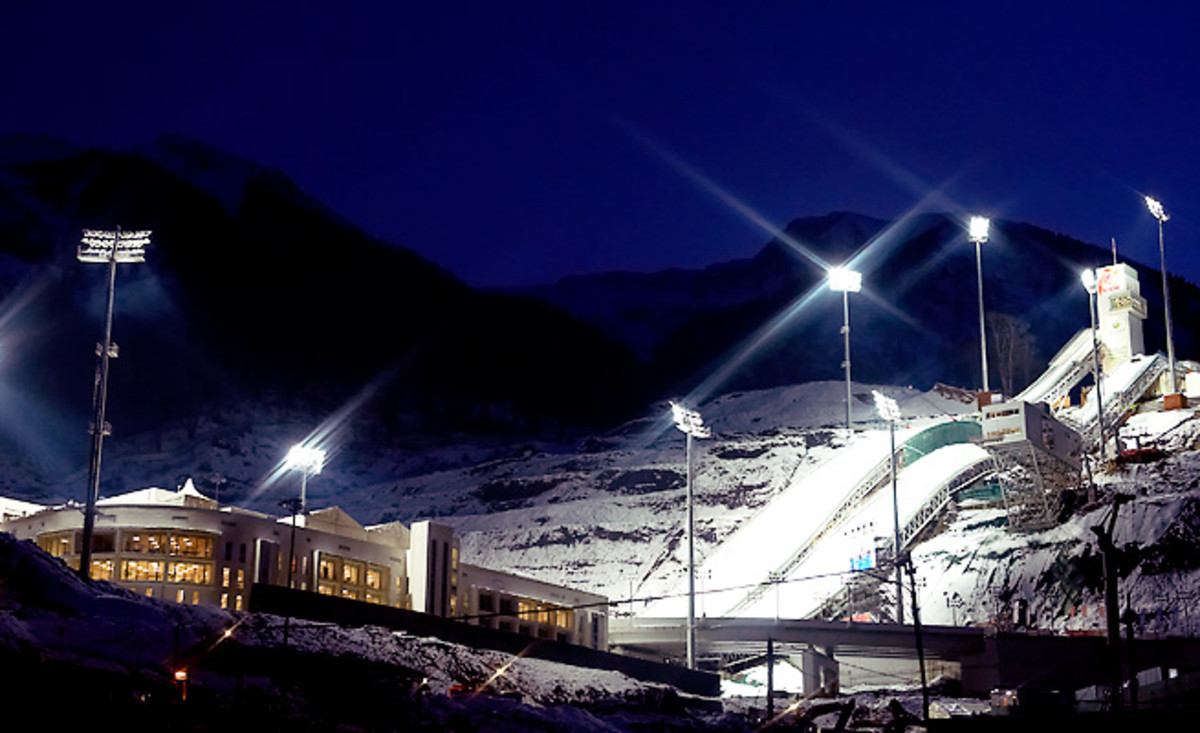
<point x="1016" y="351"/>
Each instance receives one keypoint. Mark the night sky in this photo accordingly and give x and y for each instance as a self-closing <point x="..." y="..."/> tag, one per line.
<point x="516" y="143"/>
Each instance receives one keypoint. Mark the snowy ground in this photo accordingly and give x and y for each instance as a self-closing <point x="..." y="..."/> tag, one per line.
<point x="106" y="647"/>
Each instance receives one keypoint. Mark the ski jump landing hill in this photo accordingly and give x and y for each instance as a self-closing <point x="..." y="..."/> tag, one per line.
<point x="796" y="552"/>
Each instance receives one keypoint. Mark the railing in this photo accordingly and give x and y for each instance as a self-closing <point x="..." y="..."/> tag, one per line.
<point x="940" y="498"/>
<point x="1117" y="404"/>
<point x="865" y="486"/>
<point x="1051" y="387"/>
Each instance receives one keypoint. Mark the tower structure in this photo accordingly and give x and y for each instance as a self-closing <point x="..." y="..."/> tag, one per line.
<point x="1121" y="312"/>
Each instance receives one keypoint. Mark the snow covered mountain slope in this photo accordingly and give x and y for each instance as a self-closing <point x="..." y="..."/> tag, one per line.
<point x="607" y="513"/>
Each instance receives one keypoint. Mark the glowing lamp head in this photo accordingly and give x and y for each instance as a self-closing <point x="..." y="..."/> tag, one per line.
<point x="1088" y="278"/>
<point x="305" y="458"/>
<point x="845" y="280"/>
<point x="978" y="230"/>
<point x="1156" y="209"/>
<point x="689" y="421"/>
<point x="886" y="406"/>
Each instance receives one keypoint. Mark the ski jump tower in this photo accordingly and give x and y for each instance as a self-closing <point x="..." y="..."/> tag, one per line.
<point x="1040" y="431"/>
<point x="1121" y="312"/>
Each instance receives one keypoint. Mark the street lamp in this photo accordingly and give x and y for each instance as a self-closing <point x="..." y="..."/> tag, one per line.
<point x="1156" y="210"/>
<point x="691" y="424"/>
<point x="1089" y="284"/>
<point x="845" y="281"/>
<point x="890" y="411"/>
<point x="978" y="233"/>
<point x="107" y="248"/>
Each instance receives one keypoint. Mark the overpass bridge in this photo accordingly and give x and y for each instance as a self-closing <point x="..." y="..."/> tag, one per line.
<point x="987" y="660"/>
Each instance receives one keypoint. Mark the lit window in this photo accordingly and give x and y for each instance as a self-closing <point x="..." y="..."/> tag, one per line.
<point x="237" y="602"/>
<point x="144" y="544"/>
<point x="224" y="577"/>
<point x="142" y="570"/>
<point x="149" y="592"/>
<point x="352" y="573"/>
<point x="58" y="545"/>
<point x="195" y="598"/>
<point x="241" y="578"/>
<point x="372" y="598"/>
<point x="179" y="596"/>
<point x="102" y="569"/>
<point x="224" y="600"/>
<point x="195" y="573"/>
<point x="326" y="569"/>
<point x="181" y="545"/>
<point x="326" y="589"/>
<point x="375" y="578"/>
<point x="351" y="593"/>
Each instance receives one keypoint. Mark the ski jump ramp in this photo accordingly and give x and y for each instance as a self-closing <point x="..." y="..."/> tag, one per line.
<point x="795" y="553"/>
<point x="1068" y="367"/>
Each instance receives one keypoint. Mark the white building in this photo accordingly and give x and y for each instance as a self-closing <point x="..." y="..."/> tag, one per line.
<point x="182" y="546"/>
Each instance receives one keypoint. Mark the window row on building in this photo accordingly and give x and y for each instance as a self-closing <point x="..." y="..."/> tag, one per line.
<point x="183" y="546"/>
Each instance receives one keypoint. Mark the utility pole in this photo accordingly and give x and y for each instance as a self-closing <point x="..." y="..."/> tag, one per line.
<point x="1109" y="552"/>
<point x="918" y="638"/>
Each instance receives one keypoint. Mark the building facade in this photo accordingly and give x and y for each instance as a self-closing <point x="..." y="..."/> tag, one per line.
<point x="182" y="546"/>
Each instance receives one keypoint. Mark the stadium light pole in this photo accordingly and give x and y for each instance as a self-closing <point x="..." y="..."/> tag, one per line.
<point x="978" y="233"/>
<point x="308" y="461"/>
<point x="845" y="281"/>
<point x="890" y="411"/>
<point x="1157" y="211"/>
<point x="1088" y="277"/>
<point x="691" y="424"/>
<point x="110" y="248"/>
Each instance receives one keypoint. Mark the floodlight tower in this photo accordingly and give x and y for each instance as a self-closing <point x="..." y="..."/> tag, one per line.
<point x="978" y="233"/>
<point x="691" y="424"/>
<point x="110" y="248"/>
<point x="308" y="461"/>
<point x="890" y="411"/>
<point x="1089" y="284"/>
<point x="845" y="281"/>
<point x="1157" y="211"/>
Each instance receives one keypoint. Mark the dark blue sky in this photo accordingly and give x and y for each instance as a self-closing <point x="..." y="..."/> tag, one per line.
<point x="520" y="142"/>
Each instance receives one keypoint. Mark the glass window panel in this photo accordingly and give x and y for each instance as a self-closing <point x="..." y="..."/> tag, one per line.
<point x="194" y="573"/>
<point x="142" y="570"/>
<point x="102" y="569"/>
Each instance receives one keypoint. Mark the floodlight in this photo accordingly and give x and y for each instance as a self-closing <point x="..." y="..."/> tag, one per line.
<point x="689" y="421"/>
<point x="1156" y="209"/>
<point x="844" y="280"/>
<point x="1088" y="278"/>
<point x="978" y="231"/>
<point x="305" y="458"/>
<point x="886" y="406"/>
<point x="119" y="246"/>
